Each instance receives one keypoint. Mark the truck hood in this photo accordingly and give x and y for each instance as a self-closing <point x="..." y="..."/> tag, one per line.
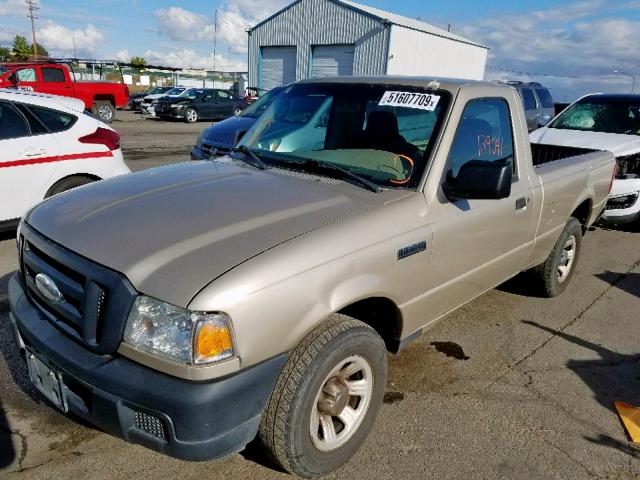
<point x="172" y="230"/>
<point x="618" y="144"/>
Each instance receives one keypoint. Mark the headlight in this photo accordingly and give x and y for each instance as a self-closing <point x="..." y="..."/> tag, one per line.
<point x="178" y="105"/>
<point x="178" y="334"/>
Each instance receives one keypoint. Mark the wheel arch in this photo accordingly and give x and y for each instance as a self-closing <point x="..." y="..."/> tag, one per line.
<point x="104" y="97"/>
<point x="380" y="313"/>
<point x="55" y="184"/>
<point x="583" y="213"/>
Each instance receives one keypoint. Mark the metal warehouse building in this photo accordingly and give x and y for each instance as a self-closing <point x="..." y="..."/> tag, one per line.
<point x="320" y="38"/>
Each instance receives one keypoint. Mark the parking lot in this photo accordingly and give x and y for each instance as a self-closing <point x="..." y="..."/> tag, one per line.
<point x="509" y="386"/>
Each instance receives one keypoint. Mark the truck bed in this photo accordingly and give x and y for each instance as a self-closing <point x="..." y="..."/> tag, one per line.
<point x="542" y="154"/>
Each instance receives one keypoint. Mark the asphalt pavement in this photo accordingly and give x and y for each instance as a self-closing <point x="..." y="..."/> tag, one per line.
<point x="510" y="386"/>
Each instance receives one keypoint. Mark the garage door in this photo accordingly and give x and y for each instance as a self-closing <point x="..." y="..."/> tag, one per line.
<point x="278" y="66"/>
<point x="332" y="60"/>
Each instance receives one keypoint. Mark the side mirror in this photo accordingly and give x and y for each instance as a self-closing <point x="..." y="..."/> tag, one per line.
<point x="479" y="180"/>
<point x="13" y="78"/>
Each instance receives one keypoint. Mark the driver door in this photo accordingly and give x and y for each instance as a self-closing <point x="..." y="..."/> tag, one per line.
<point x="478" y="244"/>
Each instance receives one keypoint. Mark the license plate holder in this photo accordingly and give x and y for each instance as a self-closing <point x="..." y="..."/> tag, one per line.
<point x="48" y="382"/>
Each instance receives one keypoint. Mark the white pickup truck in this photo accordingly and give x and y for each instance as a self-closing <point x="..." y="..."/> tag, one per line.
<point x="192" y="307"/>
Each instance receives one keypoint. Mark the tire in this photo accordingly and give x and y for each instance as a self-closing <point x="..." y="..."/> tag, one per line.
<point x="67" y="184"/>
<point x="104" y="110"/>
<point x="557" y="271"/>
<point x="293" y="427"/>
<point x="191" y="115"/>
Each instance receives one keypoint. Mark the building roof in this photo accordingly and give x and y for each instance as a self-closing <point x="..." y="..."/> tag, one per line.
<point x="383" y="15"/>
<point x="406" y="22"/>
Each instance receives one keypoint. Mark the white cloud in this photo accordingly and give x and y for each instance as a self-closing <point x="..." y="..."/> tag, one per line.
<point x="578" y="44"/>
<point x="188" y="58"/>
<point x="13" y="8"/>
<point x="234" y="18"/>
<point x="122" y="55"/>
<point x="59" y="40"/>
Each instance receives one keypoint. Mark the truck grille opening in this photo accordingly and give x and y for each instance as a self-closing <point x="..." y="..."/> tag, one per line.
<point x="622" y="202"/>
<point x="94" y="301"/>
<point x="150" y="424"/>
<point x="628" y="167"/>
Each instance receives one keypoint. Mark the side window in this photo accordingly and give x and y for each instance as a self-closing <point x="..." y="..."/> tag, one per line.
<point x="12" y="124"/>
<point x="484" y="134"/>
<point x="26" y="75"/>
<point x="53" y="74"/>
<point x="545" y="97"/>
<point x="528" y="99"/>
<point x="208" y="97"/>
<point x="54" y="120"/>
<point x="35" y="125"/>
<point x="222" y="95"/>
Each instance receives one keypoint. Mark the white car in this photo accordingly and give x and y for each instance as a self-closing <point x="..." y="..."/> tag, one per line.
<point x="48" y="144"/>
<point x="147" y="107"/>
<point x="605" y="122"/>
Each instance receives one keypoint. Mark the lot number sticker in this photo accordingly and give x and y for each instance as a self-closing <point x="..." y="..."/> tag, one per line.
<point x="420" y="101"/>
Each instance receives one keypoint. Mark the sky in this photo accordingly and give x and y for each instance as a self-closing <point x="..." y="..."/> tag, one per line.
<point x="573" y="47"/>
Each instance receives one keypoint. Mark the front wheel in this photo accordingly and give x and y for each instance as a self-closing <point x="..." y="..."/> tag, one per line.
<point x="191" y="115"/>
<point x="556" y="272"/>
<point x="327" y="397"/>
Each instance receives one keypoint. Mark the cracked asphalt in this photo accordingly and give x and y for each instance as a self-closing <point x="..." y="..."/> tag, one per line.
<point x="510" y="386"/>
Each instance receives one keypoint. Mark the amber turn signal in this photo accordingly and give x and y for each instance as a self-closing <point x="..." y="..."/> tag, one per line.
<point x="212" y="342"/>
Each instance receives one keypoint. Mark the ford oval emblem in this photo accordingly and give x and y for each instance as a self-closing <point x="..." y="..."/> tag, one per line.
<point x="48" y="288"/>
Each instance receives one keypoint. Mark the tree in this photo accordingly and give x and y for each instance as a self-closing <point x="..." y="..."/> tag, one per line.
<point x="5" y="53"/>
<point x="138" y="62"/>
<point x="42" y="52"/>
<point x="21" y="48"/>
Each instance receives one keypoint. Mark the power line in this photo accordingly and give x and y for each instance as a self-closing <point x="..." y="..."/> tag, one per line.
<point x="32" y="6"/>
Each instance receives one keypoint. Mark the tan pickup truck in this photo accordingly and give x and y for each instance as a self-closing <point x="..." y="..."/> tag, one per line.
<point x="192" y="307"/>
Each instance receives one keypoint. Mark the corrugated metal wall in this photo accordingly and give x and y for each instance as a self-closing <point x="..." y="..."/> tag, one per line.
<point x="416" y="53"/>
<point x="321" y="22"/>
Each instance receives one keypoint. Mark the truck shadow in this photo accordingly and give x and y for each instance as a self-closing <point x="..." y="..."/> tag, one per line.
<point x="7" y="450"/>
<point x="525" y="284"/>
<point x="9" y="347"/>
<point x="614" y="376"/>
<point x="627" y="228"/>
<point x="629" y="282"/>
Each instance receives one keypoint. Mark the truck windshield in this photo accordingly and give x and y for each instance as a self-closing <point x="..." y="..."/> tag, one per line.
<point x="259" y="106"/>
<point x="382" y="133"/>
<point x="602" y="114"/>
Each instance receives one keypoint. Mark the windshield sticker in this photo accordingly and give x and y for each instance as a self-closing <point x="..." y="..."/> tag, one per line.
<point x="420" y="101"/>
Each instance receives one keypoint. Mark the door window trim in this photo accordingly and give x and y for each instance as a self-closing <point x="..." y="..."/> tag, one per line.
<point x="516" y="176"/>
<point x="21" y="115"/>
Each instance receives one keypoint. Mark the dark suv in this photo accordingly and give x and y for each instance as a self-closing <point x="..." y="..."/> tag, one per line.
<point x="200" y="103"/>
<point x="538" y="104"/>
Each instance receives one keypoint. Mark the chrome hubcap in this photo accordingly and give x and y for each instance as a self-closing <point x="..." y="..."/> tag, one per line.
<point x="191" y="116"/>
<point x="104" y="112"/>
<point x="567" y="256"/>
<point x="341" y="404"/>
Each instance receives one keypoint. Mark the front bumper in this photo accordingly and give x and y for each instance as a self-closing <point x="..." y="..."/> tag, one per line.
<point x="183" y="419"/>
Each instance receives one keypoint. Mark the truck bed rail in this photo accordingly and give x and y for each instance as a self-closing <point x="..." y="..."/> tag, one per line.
<point x="542" y="154"/>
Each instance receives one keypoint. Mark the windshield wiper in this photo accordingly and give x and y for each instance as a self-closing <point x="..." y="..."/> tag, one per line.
<point x="318" y="164"/>
<point x="374" y="187"/>
<point x="255" y="160"/>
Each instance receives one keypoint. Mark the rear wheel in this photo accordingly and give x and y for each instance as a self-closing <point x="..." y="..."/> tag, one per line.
<point x="327" y="397"/>
<point x="191" y="115"/>
<point x="67" y="184"/>
<point x="556" y="272"/>
<point x="104" y="110"/>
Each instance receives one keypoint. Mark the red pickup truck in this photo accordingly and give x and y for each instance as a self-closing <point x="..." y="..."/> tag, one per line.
<point x="102" y="98"/>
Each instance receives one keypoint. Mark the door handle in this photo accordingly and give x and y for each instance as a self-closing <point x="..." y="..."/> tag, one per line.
<point x="33" y="152"/>
<point x="522" y="203"/>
